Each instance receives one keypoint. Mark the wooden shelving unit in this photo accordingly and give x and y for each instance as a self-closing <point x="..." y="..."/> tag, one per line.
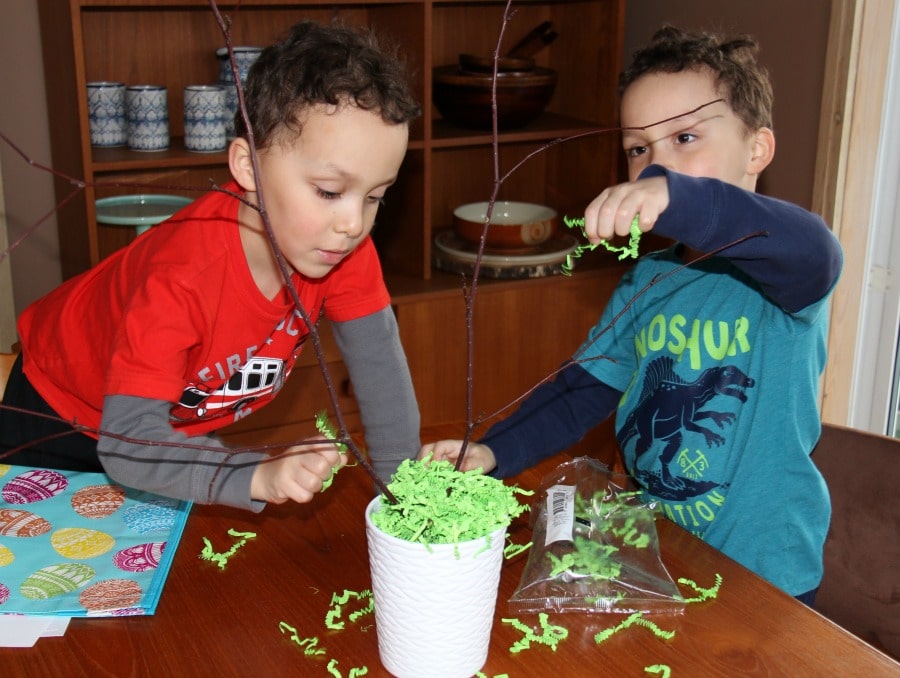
<point x="173" y="42"/>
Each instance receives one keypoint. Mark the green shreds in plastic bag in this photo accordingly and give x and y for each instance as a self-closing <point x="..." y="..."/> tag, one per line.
<point x="437" y="504"/>
<point x="595" y="547"/>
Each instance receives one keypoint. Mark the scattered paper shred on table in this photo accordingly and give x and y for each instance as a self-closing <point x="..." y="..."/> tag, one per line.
<point x="339" y="600"/>
<point x="221" y="559"/>
<point x="354" y="672"/>
<point x="635" y="619"/>
<point x="662" y="669"/>
<point x="703" y="594"/>
<point x="309" y="645"/>
<point x="550" y="636"/>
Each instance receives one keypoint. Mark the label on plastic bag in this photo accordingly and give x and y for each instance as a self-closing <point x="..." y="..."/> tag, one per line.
<point x="560" y="513"/>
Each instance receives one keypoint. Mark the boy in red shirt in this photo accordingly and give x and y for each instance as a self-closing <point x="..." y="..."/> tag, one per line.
<point x="192" y="326"/>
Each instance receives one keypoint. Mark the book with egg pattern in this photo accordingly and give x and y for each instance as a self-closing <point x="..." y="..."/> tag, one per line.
<point x="78" y="544"/>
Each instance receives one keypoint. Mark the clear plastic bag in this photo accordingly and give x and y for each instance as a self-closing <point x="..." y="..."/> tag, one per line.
<point x="595" y="547"/>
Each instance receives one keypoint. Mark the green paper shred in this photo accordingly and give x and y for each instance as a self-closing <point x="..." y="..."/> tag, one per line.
<point x="663" y="670"/>
<point x="511" y="550"/>
<point x="629" y="250"/>
<point x="589" y="559"/>
<point x="703" y="594"/>
<point x="437" y="504"/>
<point x="636" y="619"/>
<point x="309" y="645"/>
<point x="327" y="429"/>
<point x="338" y="602"/>
<point x="221" y="559"/>
<point x="354" y="672"/>
<point x="550" y="636"/>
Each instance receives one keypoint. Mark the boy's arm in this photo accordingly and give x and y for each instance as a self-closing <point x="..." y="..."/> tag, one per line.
<point x="165" y="468"/>
<point x="383" y="388"/>
<point x="797" y="262"/>
<point x="555" y="416"/>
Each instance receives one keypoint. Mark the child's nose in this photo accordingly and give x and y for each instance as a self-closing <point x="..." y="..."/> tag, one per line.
<point x="350" y="222"/>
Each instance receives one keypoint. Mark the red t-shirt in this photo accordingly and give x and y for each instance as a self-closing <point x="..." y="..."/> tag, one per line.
<point x="176" y="316"/>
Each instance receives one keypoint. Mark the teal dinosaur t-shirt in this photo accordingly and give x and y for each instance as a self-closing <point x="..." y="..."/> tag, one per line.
<point x="719" y="412"/>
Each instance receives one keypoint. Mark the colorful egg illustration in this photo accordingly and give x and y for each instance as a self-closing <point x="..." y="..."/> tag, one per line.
<point x="140" y="558"/>
<point x="80" y="543"/>
<point x="32" y="486"/>
<point x="6" y="555"/>
<point x="4" y="469"/>
<point x="110" y="594"/>
<point x="16" y="523"/>
<point x="98" y="501"/>
<point x="153" y="517"/>
<point x="4" y="593"/>
<point x="55" y="580"/>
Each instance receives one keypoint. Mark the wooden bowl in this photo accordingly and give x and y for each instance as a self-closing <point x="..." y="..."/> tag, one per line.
<point x="464" y="98"/>
<point x="514" y="225"/>
<point x="479" y="64"/>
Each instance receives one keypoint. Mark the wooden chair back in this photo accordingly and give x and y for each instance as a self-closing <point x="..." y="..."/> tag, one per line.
<point x="861" y="586"/>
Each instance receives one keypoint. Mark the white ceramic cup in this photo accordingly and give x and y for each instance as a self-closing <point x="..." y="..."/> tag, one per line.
<point x="106" y="113"/>
<point x="147" y="112"/>
<point x="204" y="118"/>
<point x="434" y="606"/>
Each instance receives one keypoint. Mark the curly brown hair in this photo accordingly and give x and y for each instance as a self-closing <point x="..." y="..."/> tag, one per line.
<point x="743" y="81"/>
<point x="323" y="64"/>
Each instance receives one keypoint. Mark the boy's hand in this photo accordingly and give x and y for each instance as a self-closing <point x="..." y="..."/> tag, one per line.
<point x="612" y="212"/>
<point x="477" y="455"/>
<point x="297" y="474"/>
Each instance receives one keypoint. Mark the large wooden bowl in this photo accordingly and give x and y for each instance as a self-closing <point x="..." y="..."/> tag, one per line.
<point x="464" y="98"/>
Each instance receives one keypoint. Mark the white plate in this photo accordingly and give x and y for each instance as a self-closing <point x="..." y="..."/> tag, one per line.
<point x="553" y="251"/>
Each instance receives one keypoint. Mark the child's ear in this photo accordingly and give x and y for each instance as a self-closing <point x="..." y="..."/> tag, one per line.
<point x="762" y="151"/>
<point x="240" y="163"/>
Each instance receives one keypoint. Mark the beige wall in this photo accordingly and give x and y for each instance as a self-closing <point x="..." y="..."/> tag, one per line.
<point x="793" y="37"/>
<point x="28" y="192"/>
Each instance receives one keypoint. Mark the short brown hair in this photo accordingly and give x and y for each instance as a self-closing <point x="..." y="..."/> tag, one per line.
<point x="323" y="64"/>
<point x="744" y="82"/>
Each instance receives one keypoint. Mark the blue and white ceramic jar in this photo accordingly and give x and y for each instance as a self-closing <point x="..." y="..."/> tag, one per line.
<point x="147" y="112"/>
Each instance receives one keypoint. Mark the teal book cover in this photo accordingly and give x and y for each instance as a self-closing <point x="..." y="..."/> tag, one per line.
<point x="78" y="544"/>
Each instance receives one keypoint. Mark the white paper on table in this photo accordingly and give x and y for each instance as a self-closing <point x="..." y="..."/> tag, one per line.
<point x="19" y="630"/>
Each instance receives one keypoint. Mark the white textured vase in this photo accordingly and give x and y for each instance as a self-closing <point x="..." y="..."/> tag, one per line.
<point x="434" y="607"/>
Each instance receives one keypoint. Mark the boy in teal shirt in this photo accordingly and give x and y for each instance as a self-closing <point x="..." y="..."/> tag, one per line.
<point x="713" y="369"/>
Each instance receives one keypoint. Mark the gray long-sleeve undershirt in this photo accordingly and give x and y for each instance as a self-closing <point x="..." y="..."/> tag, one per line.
<point x="383" y="388"/>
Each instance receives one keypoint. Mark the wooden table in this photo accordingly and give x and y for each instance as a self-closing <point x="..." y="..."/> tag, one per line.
<point x="225" y="622"/>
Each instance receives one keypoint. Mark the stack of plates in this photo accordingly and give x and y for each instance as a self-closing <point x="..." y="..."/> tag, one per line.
<point x="452" y="253"/>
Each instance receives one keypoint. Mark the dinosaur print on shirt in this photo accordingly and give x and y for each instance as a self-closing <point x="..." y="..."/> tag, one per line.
<point x="668" y="407"/>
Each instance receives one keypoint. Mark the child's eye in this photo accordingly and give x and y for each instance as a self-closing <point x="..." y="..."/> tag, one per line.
<point x="377" y="199"/>
<point x="635" y="151"/>
<point x="685" y="138"/>
<point x="327" y="195"/>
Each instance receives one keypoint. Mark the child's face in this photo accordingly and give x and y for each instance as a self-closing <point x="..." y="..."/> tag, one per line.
<point x="712" y="142"/>
<point x="323" y="189"/>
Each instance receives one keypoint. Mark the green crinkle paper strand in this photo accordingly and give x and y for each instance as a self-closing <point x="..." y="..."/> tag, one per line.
<point x="436" y="504"/>
<point x="629" y="250"/>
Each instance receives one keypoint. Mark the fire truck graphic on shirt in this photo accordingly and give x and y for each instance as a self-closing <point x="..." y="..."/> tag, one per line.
<point x="257" y="378"/>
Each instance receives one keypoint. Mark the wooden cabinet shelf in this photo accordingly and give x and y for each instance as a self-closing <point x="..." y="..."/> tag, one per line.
<point x="173" y="42"/>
